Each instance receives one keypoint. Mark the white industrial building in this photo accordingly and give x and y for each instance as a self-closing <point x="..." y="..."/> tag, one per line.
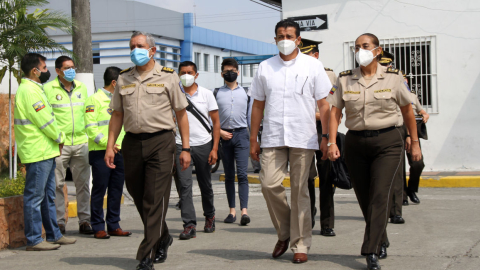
<point x="436" y="42"/>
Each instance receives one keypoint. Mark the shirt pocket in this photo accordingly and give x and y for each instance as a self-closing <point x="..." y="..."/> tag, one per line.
<point x="155" y="94"/>
<point x="352" y="103"/>
<point x="384" y="100"/>
<point x="303" y="86"/>
<point x="128" y="96"/>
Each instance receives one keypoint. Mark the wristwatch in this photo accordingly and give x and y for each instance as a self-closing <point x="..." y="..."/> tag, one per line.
<point x="330" y="143"/>
<point x="186" y="149"/>
<point x="325" y="135"/>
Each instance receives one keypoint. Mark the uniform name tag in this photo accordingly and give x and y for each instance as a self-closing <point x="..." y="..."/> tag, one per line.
<point x="90" y="108"/>
<point x="128" y="86"/>
<point x="383" y="91"/>
<point x="38" y="106"/>
<point x="352" y="92"/>
<point x="155" y="85"/>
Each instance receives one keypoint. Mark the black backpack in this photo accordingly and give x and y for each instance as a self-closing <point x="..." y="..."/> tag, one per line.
<point x="338" y="170"/>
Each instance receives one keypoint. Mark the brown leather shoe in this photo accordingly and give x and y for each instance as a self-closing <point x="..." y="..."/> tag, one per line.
<point x="101" y="235"/>
<point x="300" y="258"/>
<point x="119" y="232"/>
<point x="280" y="248"/>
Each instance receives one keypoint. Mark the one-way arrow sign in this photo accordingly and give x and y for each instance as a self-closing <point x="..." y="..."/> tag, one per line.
<point x="312" y="23"/>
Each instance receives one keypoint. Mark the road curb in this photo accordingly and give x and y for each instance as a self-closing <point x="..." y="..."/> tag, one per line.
<point x="72" y="206"/>
<point x="427" y="181"/>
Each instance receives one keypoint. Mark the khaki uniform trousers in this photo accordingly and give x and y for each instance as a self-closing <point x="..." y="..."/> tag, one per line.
<point x="373" y="164"/>
<point x="290" y="222"/>
<point x="148" y="178"/>
<point x="75" y="157"/>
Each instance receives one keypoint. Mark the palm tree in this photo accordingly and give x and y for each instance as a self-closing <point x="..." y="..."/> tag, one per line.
<point x="20" y="33"/>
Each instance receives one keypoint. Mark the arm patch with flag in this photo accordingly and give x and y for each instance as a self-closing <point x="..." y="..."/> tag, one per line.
<point x="38" y="106"/>
<point x="334" y="88"/>
<point x="90" y="108"/>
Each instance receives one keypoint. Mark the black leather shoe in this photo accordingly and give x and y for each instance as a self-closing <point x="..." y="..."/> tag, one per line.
<point x="327" y="232"/>
<point x="405" y="202"/>
<point x="145" y="264"/>
<point x="209" y="225"/>
<point x="85" y="228"/>
<point x="372" y="262"/>
<point x="244" y="220"/>
<point x="230" y="219"/>
<point x="397" y="220"/>
<point x="383" y="251"/>
<point x="161" y="254"/>
<point x="413" y="197"/>
<point x="188" y="232"/>
<point x="256" y="171"/>
<point x="62" y="228"/>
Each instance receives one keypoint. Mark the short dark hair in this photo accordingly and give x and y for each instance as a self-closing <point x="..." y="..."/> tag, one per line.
<point x="229" y="62"/>
<point x="288" y="23"/>
<point x="111" y="74"/>
<point x="30" y="61"/>
<point x="187" y="64"/>
<point x="375" y="42"/>
<point x="61" y="59"/>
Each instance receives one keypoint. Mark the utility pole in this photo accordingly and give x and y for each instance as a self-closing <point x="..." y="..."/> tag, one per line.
<point x="82" y="43"/>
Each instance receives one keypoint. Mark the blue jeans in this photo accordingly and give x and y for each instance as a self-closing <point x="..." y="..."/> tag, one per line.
<point x="106" y="179"/>
<point x="237" y="149"/>
<point x="39" y="202"/>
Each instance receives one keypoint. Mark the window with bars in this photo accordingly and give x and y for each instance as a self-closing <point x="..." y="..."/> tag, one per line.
<point x="205" y="61"/>
<point x="96" y="53"/>
<point x="163" y="55"/>
<point x="416" y="56"/>
<point x="176" y="58"/>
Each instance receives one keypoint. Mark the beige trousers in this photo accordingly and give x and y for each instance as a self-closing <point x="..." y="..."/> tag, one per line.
<point x="75" y="157"/>
<point x="290" y="222"/>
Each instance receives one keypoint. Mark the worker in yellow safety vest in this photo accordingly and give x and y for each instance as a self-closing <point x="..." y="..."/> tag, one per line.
<point x="97" y="118"/>
<point x="67" y="97"/>
<point x="39" y="141"/>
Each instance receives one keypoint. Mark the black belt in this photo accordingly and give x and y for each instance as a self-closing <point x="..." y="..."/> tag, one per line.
<point x="235" y="129"/>
<point x="146" y="136"/>
<point x="371" y="133"/>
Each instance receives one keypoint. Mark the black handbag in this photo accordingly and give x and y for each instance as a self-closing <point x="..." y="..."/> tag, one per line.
<point x="338" y="170"/>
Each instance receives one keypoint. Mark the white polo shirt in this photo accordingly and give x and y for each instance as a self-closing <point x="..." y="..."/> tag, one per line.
<point x="205" y="102"/>
<point x="290" y="90"/>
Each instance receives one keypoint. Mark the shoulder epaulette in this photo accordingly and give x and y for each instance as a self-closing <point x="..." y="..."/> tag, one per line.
<point x="328" y="69"/>
<point x="168" y="70"/>
<point x="346" y="73"/>
<point x="392" y="70"/>
<point x="125" y="70"/>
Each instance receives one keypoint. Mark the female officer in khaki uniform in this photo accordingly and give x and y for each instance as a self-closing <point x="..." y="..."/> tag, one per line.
<point x="373" y="145"/>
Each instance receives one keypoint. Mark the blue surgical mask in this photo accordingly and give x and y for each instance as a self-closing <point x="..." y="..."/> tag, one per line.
<point x="69" y="74"/>
<point x="140" y="56"/>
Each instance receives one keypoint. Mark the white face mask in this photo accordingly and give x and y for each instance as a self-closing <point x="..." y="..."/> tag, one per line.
<point x="187" y="80"/>
<point x="364" y="57"/>
<point x="286" y="47"/>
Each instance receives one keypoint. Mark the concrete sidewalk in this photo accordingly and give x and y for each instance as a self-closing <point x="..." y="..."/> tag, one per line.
<point x="440" y="233"/>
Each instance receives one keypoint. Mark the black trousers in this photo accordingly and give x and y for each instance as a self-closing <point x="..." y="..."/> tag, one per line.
<point x="327" y="210"/>
<point x="400" y="178"/>
<point x="148" y="177"/>
<point x="416" y="169"/>
<point x="199" y="156"/>
<point x="106" y="179"/>
<point x="373" y="163"/>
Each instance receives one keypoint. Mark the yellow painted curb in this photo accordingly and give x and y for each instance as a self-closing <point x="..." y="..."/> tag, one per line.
<point x="72" y="207"/>
<point x="427" y="181"/>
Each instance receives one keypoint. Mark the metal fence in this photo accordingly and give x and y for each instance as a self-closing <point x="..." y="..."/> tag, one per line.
<point x="416" y="56"/>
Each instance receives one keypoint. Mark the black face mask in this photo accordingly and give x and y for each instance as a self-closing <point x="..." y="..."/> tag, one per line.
<point x="44" y="76"/>
<point x="230" y="76"/>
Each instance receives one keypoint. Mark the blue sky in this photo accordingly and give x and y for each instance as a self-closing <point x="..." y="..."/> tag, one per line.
<point x="237" y="17"/>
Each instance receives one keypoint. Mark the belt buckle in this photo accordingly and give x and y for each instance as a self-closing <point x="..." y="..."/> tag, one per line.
<point x="368" y="133"/>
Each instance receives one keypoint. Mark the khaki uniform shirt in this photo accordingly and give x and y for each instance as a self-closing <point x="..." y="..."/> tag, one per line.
<point x="370" y="107"/>
<point x="147" y="103"/>
<point x="417" y="107"/>
<point x="333" y="79"/>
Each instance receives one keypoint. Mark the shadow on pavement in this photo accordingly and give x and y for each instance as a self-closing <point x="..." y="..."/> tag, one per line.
<point x="349" y="261"/>
<point x="349" y="218"/>
<point x="121" y="263"/>
<point x="246" y="229"/>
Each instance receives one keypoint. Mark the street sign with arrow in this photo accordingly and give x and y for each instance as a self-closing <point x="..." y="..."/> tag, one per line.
<point x="312" y="22"/>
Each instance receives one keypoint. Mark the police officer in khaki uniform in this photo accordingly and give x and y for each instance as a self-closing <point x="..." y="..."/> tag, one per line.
<point x="144" y="98"/>
<point x="373" y="145"/>
<point x="327" y="214"/>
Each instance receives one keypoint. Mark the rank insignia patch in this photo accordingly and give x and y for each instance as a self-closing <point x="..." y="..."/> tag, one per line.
<point x="90" y="108"/>
<point x="109" y="111"/>
<point x="59" y="97"/>
<point x="38" y="106"/>
<point x="334" y="88"/>
<point x="168" y="70"/>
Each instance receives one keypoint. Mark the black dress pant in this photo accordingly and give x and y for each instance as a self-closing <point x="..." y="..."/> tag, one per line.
<point x="327" y="210"/>
<point x="106" y="180"/>
<point x="148" y="177"/>
<point x="373" y="163"/>
<point x="416" y="169"/>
